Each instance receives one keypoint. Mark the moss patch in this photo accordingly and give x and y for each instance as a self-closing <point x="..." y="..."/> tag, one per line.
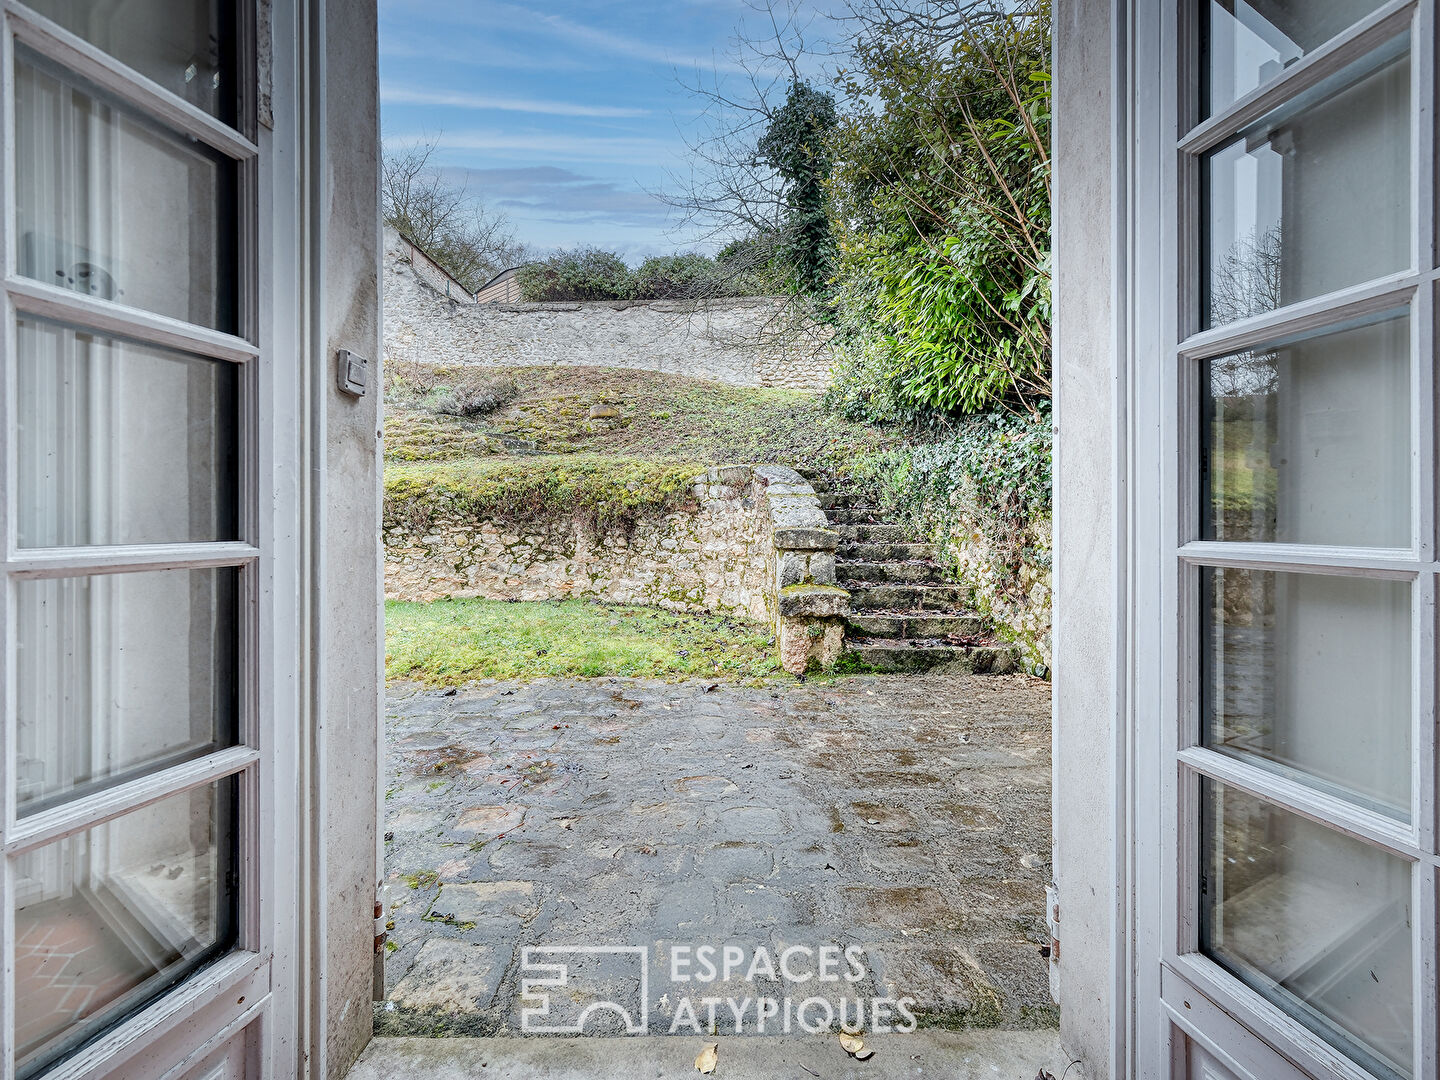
<point x="598" y="491"/>
<point x="450" y="642"/>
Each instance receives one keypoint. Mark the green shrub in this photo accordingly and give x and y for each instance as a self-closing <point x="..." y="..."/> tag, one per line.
<point x="577" y="275"/>
<point x="940" y="202"/>
<point x="676" y="277"/>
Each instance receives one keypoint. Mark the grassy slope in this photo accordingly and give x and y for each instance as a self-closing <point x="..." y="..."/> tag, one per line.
<point x="453" y="641"/>
<point x="662" y="417"/>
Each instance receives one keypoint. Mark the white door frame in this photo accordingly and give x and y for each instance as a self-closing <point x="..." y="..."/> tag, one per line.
<point x="1173" y="994"/>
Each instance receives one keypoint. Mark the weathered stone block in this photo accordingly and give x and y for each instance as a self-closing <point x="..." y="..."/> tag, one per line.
<point x="813" y="601"/>
<point x="803" y="538"/>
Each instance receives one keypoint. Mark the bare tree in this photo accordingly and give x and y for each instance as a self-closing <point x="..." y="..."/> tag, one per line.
<point x="936" y="22"/>
<point x="472" y="242"/>
<point x="731" y="195"/>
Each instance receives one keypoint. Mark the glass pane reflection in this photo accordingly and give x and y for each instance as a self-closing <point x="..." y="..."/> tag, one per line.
<point x="1248" y="42"/>
<point x="1310" y="674"/>
<point x="188" y="47"/>
<point x="1313" y="197"/>
<point x="108" y="919"/>
<point x="121" y="443"/>
<point x="119" y="675"/>
<point x="1315" y="921"/>
<point x="115" y="208"/>
<point x="1308" y="441"/>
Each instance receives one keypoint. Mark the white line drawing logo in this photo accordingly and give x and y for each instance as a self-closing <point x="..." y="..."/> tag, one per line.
<point x="538" y="1019"/>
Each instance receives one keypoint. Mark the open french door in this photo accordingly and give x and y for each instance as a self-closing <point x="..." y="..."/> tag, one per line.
<point x="1283" y="287"/>
<point x="139" y="604"/>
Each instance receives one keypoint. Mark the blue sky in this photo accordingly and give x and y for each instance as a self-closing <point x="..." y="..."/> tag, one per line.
<point x="565" y="114"/>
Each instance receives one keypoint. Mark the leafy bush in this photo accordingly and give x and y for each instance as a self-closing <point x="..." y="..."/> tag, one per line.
<point x="678" y="277"/>
<point x="589" y="274"/>
<point x="940" y="201"/>
<point x="580" y="274"/>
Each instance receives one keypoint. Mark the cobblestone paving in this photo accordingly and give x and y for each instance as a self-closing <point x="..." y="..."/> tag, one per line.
<point x="905" y="817"/>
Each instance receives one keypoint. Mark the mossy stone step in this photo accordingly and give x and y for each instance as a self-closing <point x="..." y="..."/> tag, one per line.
<point x="897" y="572"/>
<point x="902" y="657"/>
<point x="894" y="552"/>
<point x="855" y="515"/>
<point x="870" y="533"/>
<point x="833" y="500"/>
<point x="914" y="627"/>
<point x="903" y="598"/>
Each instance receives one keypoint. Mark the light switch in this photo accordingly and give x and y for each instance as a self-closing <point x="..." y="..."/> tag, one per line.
<point x="354" y="373"/>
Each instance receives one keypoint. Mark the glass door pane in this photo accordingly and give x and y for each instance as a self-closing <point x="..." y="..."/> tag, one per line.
<point x="118" y="675"/>
<point x="1310" y="674"/>
<point x="1313" y="197"/>
<point x="188" y="47"/>
<point x="109" y="918"/>
<point x="1318" y="923"/>
<point x="110" y="205"/>
<point x="121" y="443"/>
<point x="1249" y="42"/>
<point x="1308" y="441"/>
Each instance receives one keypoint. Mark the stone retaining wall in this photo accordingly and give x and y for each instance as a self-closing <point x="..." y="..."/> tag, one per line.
<point x="752" y="543"/>
<point x="732" y="341"/>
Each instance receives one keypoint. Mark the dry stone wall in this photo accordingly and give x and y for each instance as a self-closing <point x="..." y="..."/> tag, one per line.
<point x="752" y="543"/>
<point x="706" y="557"/>
<point x="730" y="341"/>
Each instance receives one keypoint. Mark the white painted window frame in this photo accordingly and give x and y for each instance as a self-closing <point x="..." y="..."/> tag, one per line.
<point x="241" y="1007"/>
<point x="1173" y="993"/>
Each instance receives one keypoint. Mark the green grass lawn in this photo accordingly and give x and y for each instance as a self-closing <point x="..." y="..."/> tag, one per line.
<point x="449" y="642"/>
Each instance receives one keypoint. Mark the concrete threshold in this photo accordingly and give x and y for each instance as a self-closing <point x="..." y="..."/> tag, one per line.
<point x="979" y="1054"/>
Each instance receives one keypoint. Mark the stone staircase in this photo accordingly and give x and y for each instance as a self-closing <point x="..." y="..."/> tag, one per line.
<point x="905" y="616"/>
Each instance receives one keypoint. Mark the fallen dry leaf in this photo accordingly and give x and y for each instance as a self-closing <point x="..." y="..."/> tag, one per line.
<point x="851" y="1044"/>
<point x="708" y="1059"/>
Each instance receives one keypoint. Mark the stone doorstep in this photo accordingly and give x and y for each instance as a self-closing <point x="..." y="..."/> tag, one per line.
<point x="893" y="571"/>
<point x="805" y="538"/>
<point x="916" y="626"/>
<point x="976" y="1054"/>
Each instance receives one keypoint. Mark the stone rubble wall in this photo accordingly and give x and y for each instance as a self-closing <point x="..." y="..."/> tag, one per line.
<point x="733" y="341"/>
<point x="708" y="556"/>
<point x="405" y="254"/>
<point x="752" y="543"/>
<point x="1020" y="604"/>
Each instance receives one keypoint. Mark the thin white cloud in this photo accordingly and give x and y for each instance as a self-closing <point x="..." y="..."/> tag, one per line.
<point x="623" y="149"/>
<point x="401" y="95"/>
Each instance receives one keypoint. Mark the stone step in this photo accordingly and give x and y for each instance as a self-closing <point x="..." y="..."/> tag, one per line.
<point x="901" y="657"/>
<point x="870" y="552"/>
<point x="870" y="533"/>
<point x="896" y="572"/>
<point x="913" y="627"/>
<point x="836" y="500"/>
<point x="891" y="598"/>
<point x="855" y="515"/>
